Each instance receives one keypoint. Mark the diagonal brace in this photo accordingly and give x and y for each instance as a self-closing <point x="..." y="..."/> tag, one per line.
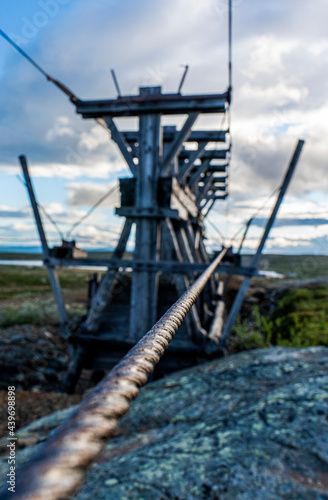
<point x="119" y="138"/>
<point x="177" y="143"/>
<point x="185" y="170"/>
<point x="256" y="257"/>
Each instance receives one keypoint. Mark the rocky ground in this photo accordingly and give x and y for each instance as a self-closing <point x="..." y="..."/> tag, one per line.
<point x="251" y="426"/>
<point x="34" y="359"/>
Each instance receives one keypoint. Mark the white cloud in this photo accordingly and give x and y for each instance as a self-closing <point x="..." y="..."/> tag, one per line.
<point x="280" y="72"/>
<point x="81" y="194"/>
<point x="60" y="129"/>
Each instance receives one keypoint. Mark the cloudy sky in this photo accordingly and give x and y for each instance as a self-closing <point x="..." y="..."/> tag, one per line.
<point x="280" y="57"/>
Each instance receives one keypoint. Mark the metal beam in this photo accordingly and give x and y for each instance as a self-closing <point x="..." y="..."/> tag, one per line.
<point x="46" y="256"/>
<point x="256" y="257"/>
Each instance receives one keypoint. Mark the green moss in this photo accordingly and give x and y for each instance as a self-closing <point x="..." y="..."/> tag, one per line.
<point x="300" y="319"/>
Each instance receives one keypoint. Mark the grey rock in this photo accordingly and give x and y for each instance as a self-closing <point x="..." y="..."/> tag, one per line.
<point x="17" y="337"/>
<point x="252" y="426"/>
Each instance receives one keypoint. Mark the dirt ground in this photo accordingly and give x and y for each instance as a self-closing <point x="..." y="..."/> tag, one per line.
<point x="31" y="405"/>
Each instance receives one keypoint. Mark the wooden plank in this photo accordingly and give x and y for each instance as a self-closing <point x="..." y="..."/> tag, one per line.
<point x="215" y="331"/>
<point x="149" y="212"/>
<point x="185" y="197"/>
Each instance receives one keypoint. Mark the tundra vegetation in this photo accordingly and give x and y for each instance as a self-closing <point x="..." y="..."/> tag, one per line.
<point x="298" y="318"/>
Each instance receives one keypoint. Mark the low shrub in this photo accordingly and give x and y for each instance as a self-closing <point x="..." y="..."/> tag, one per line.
<point x="300" y="319"/>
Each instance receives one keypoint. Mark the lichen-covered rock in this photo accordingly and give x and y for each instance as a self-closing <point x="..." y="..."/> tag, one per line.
<point x="251" y="426"/>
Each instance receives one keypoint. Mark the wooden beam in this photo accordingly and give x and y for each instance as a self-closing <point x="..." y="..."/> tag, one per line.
<point x="201" y="169"/>
<point x="104" y="293"/>
<point x="215" y="331"/>
<point x="147" y="212"/>
<point x="234" y="311"/>
<point x="181" y="285"/>
<point x="184" y="245"/>
<point x="144" y="290"/>
<point x="169" y="266"/>
<point x="187" y="166"/>
<point x="177" y="143"/>
<point x="212" y="167"/>
<point x="207" y="186"/>
<point x="199" y="135"/>
<point x="174" y="239"/>
<point x="183" y="253"/>
<point x="157" y="103"/>
<point x="215" y="154"/>
<point x="119" y="138"/>
<point x="54" y="282"/>
<point x="184" y="197"/>
<point x="132" y="137"/>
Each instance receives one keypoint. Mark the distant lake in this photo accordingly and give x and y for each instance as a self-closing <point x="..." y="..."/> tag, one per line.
<point x="39" y="263"/>
<point x="28" y="263"/>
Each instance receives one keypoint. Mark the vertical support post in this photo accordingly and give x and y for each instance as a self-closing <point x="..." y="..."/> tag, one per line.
<point x="104" y="293"/>
<point x="145" y="283"/>
<point x="256" y="257"/>
<point x="51" y="272"/>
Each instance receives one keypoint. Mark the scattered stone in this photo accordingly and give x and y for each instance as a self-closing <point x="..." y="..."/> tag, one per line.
<point x="31" y="355"/>
<point x="111" y="482"/>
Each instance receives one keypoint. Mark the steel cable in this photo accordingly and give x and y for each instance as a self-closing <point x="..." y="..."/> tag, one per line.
<point x="57" y="469"/>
